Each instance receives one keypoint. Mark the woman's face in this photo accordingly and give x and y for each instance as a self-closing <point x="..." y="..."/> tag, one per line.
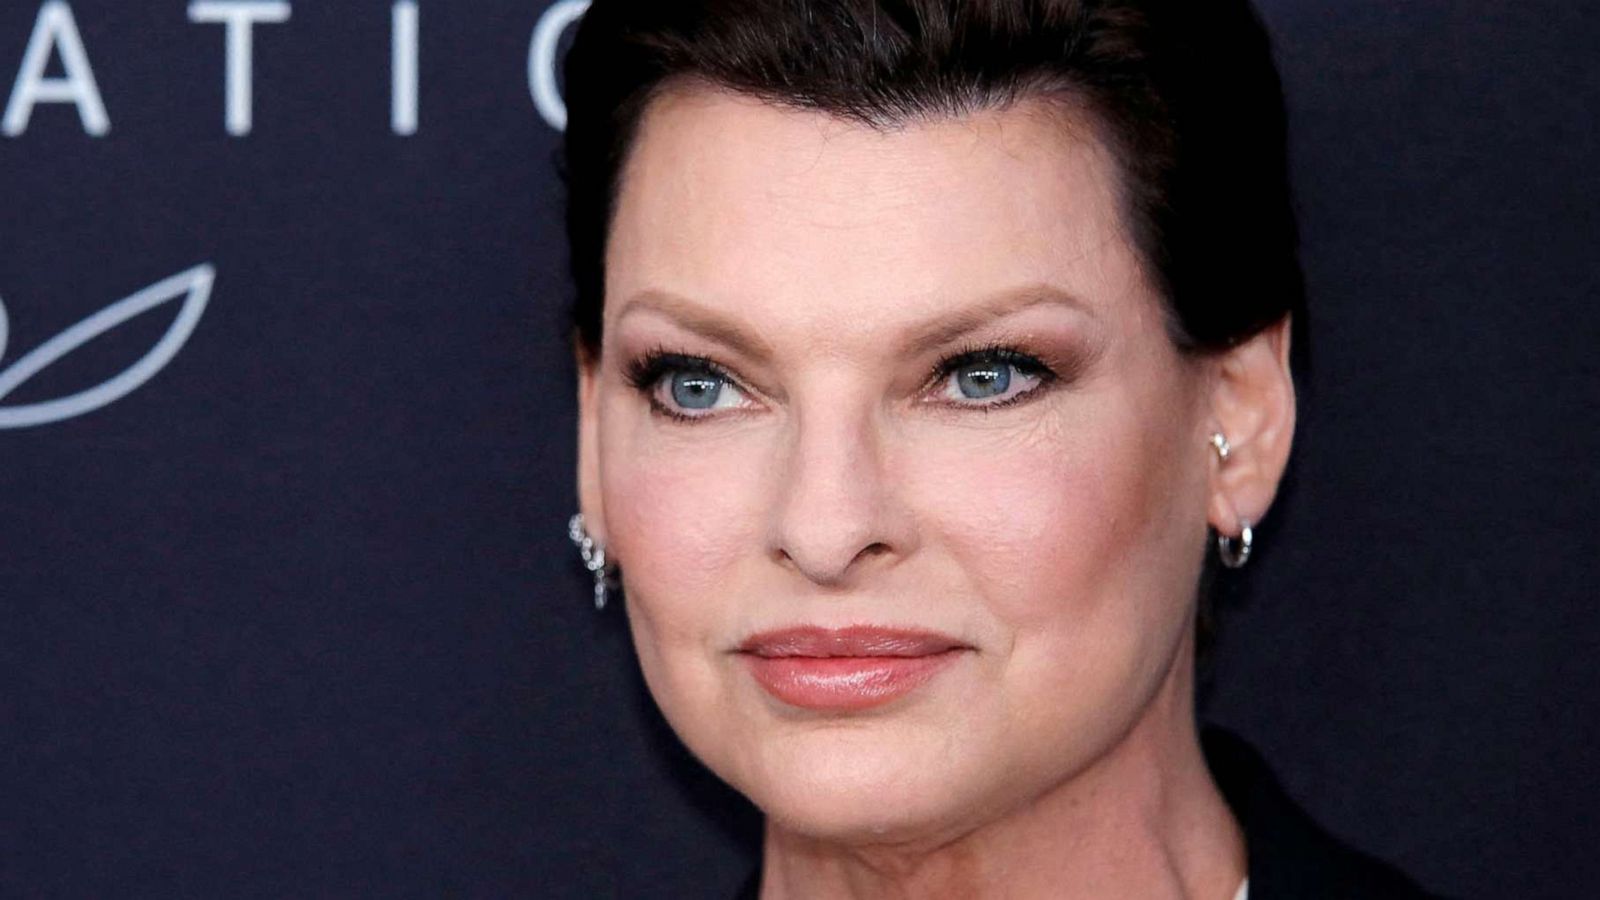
<point x="907" y="399"/>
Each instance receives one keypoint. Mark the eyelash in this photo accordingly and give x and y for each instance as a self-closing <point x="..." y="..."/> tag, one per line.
<point x="1002" y="354"/>
<point x="645" y="373"/>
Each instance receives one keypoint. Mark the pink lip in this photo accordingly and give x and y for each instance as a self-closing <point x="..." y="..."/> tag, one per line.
<point x="846" y="669"/>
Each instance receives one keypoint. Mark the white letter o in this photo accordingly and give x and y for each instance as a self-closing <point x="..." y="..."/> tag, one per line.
<point x="542" y="59"/>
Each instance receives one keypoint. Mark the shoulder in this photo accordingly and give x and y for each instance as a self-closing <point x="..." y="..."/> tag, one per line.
<point x="1290" y="855"/>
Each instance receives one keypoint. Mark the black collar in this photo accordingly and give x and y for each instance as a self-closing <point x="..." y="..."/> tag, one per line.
<point x="1291" y="856"/>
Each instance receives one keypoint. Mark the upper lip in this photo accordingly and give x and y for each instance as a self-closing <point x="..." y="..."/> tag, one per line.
<point x="857" y="640"/>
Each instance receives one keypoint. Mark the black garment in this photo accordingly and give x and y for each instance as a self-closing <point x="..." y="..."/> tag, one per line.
<point x="1289" y="856"/>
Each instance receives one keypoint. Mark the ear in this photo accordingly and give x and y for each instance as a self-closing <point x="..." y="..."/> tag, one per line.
<point x="1253" y="404"/>
<point x="588" y="443"/>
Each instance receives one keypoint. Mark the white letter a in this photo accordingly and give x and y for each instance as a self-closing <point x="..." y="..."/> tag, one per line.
<point x="55" y="29"/>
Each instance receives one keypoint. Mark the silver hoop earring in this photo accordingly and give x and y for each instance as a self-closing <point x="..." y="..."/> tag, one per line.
<point x="1219" y="442"/>
<point x="594" y="559"/>
<point x="1235" y="552"/>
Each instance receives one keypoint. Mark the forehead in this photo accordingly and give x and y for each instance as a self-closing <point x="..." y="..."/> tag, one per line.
<point x="799" y="219"/>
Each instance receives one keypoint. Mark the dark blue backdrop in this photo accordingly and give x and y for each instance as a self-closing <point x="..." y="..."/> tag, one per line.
<point x="297" y="616"/>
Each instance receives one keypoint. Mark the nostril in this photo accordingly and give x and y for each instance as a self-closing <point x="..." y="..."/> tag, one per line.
<point x="831" y="568"/>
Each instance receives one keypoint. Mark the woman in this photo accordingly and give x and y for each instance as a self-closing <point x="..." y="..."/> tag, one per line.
<point x="931" y="353"/>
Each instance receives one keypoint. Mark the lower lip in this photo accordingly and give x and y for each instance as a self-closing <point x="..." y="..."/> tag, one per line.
<point x="844" y="683"/>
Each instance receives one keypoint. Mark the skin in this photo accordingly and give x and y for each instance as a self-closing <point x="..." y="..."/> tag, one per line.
<point x="829" y="268"/>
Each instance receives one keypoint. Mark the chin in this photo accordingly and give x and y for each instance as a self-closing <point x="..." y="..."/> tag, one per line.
<point x="861" y="816"/>
<point x="858" y="786"/>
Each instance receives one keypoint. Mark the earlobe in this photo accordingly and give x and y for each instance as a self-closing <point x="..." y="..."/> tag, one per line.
<point x="1253" y="402"/>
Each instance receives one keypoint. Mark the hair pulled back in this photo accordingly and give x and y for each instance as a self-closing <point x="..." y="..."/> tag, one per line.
<point x="1185" y="95"/>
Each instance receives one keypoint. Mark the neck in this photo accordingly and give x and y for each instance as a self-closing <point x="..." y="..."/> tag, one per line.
<point x="1142" y="820"/>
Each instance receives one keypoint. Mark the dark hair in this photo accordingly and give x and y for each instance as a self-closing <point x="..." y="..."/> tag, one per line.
<point x="1185" y="94"/>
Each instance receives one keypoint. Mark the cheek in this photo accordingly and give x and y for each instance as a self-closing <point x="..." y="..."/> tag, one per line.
<point x="1058" y="502"/>
<point x="678" y="516"/>
<point x="1076" y="535"/>
<point x="681" y="514"/>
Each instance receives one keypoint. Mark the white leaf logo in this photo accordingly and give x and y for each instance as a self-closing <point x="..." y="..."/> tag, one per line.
<point x="194" y="286"/>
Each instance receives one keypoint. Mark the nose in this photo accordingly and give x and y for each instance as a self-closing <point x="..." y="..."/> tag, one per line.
<point x="838" y="514"/>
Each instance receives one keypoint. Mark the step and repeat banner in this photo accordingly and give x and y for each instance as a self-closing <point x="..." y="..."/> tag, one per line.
<point x="287" y="606"/>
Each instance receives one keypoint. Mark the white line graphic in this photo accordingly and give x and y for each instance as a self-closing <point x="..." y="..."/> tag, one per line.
<point x="193" y="286"/>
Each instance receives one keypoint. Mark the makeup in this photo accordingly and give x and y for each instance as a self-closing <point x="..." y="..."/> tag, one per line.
<point x="849" y="669"/>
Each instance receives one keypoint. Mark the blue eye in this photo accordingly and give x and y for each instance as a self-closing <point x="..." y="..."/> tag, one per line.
<point x="996" y="375"/>
<point x="684" y="387"/>
<point x="696" y="390"/>
<point x="983" y="380"/>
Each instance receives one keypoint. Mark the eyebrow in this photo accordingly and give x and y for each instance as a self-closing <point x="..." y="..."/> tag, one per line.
<point x="705" y="322"/>
<point x="946" y="329"/>
<point x="925" y="336"/>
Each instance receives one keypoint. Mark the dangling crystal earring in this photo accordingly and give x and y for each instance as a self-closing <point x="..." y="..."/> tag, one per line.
<point x="594" y="558"/>
<point x="1235" y="552"/>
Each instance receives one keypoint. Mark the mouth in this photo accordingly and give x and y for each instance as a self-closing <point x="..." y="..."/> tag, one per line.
<point x="846" y="669"/>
